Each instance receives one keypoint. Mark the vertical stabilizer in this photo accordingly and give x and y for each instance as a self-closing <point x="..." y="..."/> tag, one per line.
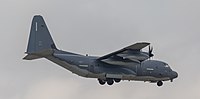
<point x="40" y="41"/>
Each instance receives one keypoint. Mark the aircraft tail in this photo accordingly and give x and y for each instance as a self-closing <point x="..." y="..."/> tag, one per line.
<point x="40" y="42"/>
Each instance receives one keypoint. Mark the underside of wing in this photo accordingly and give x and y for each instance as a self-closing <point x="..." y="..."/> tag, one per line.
<point x="130" y="55"/>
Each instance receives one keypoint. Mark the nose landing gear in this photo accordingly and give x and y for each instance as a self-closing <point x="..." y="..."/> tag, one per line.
<point x="159" y="83"/>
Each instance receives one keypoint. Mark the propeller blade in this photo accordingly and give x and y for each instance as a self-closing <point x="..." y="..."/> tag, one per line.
<point x="150" y="51"/>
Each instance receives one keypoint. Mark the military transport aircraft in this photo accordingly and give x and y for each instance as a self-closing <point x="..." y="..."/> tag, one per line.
<point x="129" y="63"/>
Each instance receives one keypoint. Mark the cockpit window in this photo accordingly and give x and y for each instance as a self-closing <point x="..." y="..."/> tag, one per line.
<point x="167" y="66"/>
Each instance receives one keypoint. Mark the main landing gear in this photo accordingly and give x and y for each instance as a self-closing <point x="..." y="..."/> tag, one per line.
<point x="109" y="81"/>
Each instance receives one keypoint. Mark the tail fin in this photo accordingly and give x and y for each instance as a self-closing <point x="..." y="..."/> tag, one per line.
<point x="40" y="41"/>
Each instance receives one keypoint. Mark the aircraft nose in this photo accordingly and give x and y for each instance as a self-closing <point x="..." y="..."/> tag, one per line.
<point x="174" y="74"/>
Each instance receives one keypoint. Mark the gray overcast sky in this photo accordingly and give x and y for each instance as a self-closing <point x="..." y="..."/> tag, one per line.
<point x="98" y="27"/>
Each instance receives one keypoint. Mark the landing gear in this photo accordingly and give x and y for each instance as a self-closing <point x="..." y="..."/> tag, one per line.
<point x="110" y="81"/>
<point x="159" y="83"/>
<point x="102" y="82"/>
<point x="117" y="80"/>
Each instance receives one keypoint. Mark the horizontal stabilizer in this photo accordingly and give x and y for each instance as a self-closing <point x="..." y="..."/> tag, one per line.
<point x="31" y="57"/>
<point x="37" y="55"/>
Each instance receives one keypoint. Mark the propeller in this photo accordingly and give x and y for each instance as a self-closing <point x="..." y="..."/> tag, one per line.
<point x="150" y="51"/>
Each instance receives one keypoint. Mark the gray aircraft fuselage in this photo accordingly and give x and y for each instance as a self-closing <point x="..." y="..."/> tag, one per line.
<point x="130" y="63"/>
<point x="89" y="66"/>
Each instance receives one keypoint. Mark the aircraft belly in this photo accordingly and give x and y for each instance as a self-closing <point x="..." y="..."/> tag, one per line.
<point x="75" y="69"/>
<point x="88" y="74"/>
<point x="148" y="78"/>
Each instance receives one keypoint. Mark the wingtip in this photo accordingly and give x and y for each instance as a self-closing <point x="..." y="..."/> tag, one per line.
<point x="144" y="43"/>
<point x="35" y="16"/>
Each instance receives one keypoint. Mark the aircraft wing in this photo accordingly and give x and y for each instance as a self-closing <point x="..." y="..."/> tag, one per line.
<point x="131" y="53"/>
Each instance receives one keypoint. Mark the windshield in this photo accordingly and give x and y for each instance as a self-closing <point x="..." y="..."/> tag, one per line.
<point x="168" y="68"/>
<point x="166" y="65"/>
